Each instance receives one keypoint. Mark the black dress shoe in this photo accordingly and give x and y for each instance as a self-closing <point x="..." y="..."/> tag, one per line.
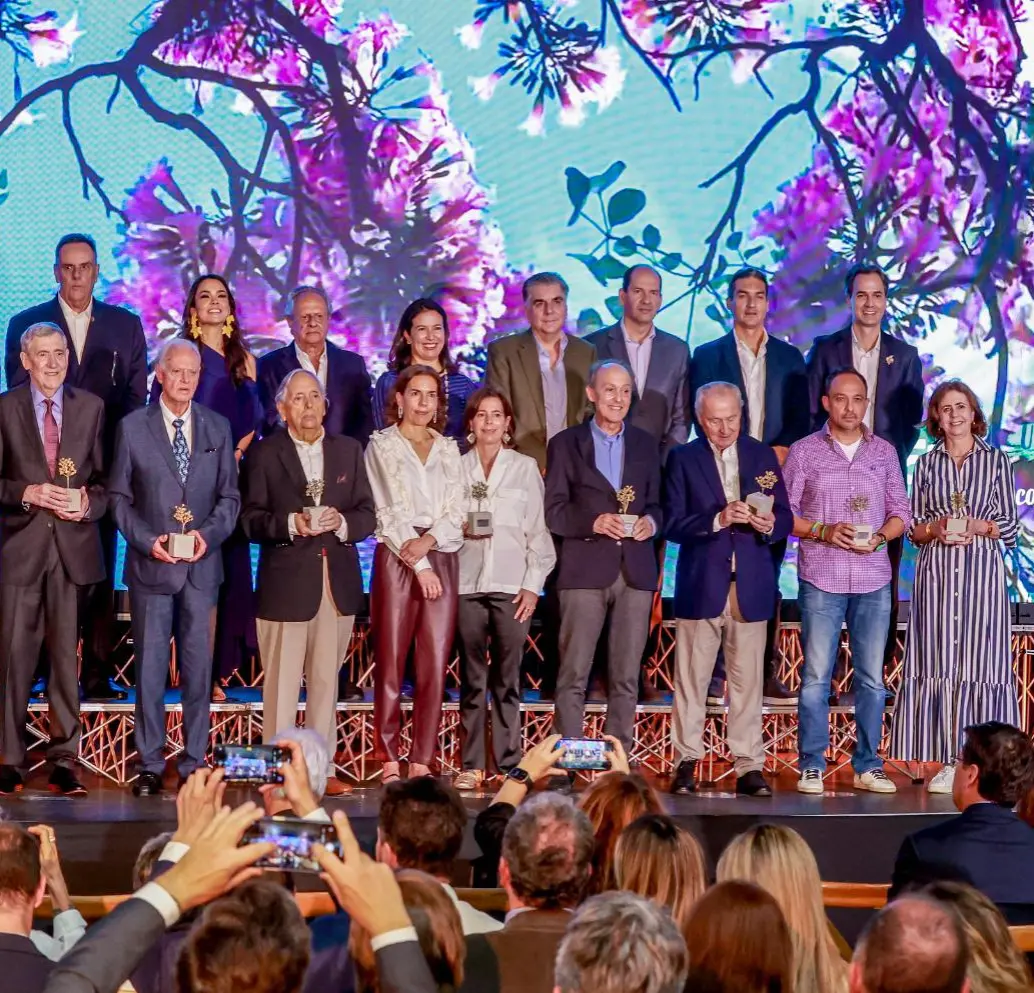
<point x="351" y="693"/>
<point x="102" y="690"/>
<point x="147" y="784"/>
<point x="685" y="780"/>
<point x="64" y="781"/>
<point x="10" y="780"/>
<point x="752" y="784"/>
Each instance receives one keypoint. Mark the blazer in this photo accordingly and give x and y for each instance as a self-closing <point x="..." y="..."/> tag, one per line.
<point x="290" y="572"/>
<point x="693" y="495"/>
<point x="898" y="404"/>
<point x="24" y="967"/>
<point x="987" y="846"/>
<point x="663" y="408"/>
<point x="787" y="411"/>
<point x="144" y="487"/>
<point x="577" y="493"/>
<point x="25" y="534"/>
<point x="349" y="409"/>
<point x="114" y="365"/>
<point x="526" y="949"/>
<point x="513" y="369"/>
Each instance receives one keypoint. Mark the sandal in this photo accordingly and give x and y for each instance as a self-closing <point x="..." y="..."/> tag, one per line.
<point x="469" y="780"/>
<point x="390" y="773"/>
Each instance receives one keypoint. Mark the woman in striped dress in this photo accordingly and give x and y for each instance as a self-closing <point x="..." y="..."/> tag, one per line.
<point x="958" y="660"/>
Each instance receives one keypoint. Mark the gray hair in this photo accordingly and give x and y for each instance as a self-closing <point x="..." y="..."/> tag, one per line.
<point x="170" y="345"/>
<point x="41" y="329"/>
<point x="717" y="387"/>
<point x="316" y="754"/>
<point x="600" y="364"/>
<point x="300" y="291"/>
<point x="619" y="942"/>
<point x="285" y="383"/>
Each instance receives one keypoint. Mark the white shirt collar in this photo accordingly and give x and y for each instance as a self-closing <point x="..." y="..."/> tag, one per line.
<point x="73" y="315"/>
<point x="729" y="452"/>
<point x="169" y="415"/>
<point x="307" y="444"/>
<point x="743" y="346"/>
<point x="855" y="343"/>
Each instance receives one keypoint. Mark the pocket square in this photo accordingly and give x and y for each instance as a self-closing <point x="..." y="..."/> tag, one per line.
<point x="342" y="478"/>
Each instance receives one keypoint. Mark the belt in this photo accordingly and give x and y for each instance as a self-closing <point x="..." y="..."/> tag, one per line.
<point x="732" y="577"/>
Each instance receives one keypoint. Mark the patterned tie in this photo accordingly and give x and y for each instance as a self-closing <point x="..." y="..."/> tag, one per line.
<point x="180" y="452"/>
<point x="51" y="437"/>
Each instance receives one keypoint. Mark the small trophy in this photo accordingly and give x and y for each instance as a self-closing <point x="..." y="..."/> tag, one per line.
<point x="314" y="490"/>
<point x="955" y="527"/>
<point x="762" y="501"/>
<point x="182" y="545"/>
<point x="625" y="497"/>
<point x="66" y="468"/>
<point x="862" y="532"/>
<point x="479" y="522"/>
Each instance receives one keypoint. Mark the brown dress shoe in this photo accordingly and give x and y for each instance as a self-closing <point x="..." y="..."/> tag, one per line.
<point x="335" y="787"/>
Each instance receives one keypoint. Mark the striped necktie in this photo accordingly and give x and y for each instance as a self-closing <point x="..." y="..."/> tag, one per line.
<point x="180" y="452"/>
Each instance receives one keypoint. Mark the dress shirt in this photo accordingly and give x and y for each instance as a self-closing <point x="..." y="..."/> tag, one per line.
<point x="320" y="371"/>
<point x="753" y="368"/>
<point x="519" y="554"/>
<point x="39" y="406"/>
<point x="78" y="324"/>
<point x="188" y="423"/>
<point x="554" y="387"/>
<point x="823" y="485"/>
<point x="728" y="464"/>
<point x="474" y="921"/>
<point x="639" y="353"/>
<point x="68" y="926"/>
<point x="868" y="364"/>
<point x="609" y="450"/>
<point x="310" y="453"/>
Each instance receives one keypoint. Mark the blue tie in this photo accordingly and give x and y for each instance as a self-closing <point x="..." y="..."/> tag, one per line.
<point x="180" y="452"/>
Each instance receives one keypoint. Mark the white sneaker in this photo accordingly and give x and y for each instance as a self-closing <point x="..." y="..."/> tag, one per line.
<point x="875" y="781"/>
<point x="810" y="782"/>
<point x="942" y="782"/>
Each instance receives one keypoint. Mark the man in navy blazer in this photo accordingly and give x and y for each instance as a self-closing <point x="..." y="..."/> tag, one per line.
<point x="725" y="587"/>
<point x="607" y="562"/>
<point x="987" y="845"/>
<point x="171" y="455"/>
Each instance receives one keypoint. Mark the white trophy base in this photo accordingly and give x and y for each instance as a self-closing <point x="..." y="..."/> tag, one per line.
<point x="955" y="528"/>
<point x="75" y="500"/>
<point x="760" y="503"/>
<point x="479" y="524"/>
<point x="862" y="534"/>
<point x="181" y="546"/>
<point x="629" y="521"/>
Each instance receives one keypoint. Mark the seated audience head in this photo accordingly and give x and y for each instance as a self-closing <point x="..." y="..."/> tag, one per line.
<point x="421" y="826"/>
<point x="148" y="856"/>
<point x="438" y="929"/>
<point x="738" y="942"/>
<point x="547" y="853"/>
<point x="317" y="762"/>
<point x="21" y="879"/>
<point x="913" y="945"/>
<point x="996" y="765"/>
<point x="996" y="965"/>
<point x="719" y="412"/>
<point x="253" y="938"/>
<point x="611" y="803"/>
<point x="657" y="859"/>
<point x="621" y="943"/>
<point x="779" y="860"/>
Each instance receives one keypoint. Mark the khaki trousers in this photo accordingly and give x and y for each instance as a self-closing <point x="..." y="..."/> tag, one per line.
<point x="317" y="647"/>
<point x="696" y="648"/>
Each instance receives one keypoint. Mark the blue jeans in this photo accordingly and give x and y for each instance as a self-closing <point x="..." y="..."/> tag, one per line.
<point x="822" y="616"/>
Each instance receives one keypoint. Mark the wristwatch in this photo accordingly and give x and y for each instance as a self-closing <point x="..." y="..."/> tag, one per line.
<point x="519" y="775"/>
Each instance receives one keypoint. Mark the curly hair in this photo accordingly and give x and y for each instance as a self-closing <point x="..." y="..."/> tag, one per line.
<point x="235" y="351"/>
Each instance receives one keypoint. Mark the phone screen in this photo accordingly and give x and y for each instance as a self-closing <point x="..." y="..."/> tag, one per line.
<point x="584" y="753"/>
<point x="250" y="763"/>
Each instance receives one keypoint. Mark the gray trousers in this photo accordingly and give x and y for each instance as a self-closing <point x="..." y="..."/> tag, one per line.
<point x="582" y="616"/>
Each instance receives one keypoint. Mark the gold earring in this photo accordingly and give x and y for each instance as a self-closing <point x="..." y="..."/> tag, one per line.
<point x="228" y="326"/>
<point x="195" y="325"/>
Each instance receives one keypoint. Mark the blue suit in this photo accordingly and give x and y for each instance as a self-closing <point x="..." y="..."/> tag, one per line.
<point x="144" y="487"/>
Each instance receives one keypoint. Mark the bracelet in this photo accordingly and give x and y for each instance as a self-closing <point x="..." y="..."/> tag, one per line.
<point x="815" y="529"/>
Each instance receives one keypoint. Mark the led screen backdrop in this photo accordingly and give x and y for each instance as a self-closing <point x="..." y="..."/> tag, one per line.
<point x="451" y="146"/>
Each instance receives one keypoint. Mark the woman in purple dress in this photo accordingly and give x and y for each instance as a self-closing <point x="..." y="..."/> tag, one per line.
<point x="227" y="386"/>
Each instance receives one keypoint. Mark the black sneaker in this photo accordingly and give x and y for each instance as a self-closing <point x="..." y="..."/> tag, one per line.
<point x="776" y="694"/>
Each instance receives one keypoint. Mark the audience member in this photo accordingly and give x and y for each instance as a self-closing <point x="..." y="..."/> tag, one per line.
<point x="913" y="945"/>
<point x="657" y="859"/>
<point x="305" y="776"/>
<point x="68" y="925"/>
<point x="22" y="885"/>
<point x="779" y="860"/>
<point x="738" y="942"/>
<point x="621" y="943"/>
<point x="148" y="857"/>
<point x="988" y="845"/>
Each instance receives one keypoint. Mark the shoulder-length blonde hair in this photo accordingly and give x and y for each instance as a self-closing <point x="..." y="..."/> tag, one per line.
<point x="779" y="860"/>
<point x="933" y="417"/>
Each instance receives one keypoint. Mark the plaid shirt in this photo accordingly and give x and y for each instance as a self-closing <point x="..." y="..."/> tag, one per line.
<point x="824" y="486"/>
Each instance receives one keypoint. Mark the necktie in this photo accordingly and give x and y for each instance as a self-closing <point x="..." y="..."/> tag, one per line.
<point x="51" y="438"/>
<point x="180" y="452"/>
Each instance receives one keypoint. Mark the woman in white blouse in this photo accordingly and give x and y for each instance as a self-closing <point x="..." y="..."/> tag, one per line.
<point x="416" y="477"/>
<point x="500" y="579"/>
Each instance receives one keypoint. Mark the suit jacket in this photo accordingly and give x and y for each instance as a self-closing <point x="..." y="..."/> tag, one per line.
<point x="693" y="495"/>
<point x="25" y="535"/>
<point x="526" y="950"/>
<point x="290" y="573"/>
<point x="144" y="487"/>
<point x="24" y="967"/>
<point x="987" y="846"/>
<point x="349" y="408"/>
<point x="787" y="414"/>
<point x="898" y="409"/>
<point x="513" y="369"/>
<point x="662" y="409"/>
<point x="114" y="365"/>
<point x="577" y="493"/>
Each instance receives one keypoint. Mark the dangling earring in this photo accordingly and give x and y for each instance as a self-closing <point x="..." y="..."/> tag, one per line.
<point x="506" y="438"/>
<point x="228" y="326"/>
<point x="400" y="411"/>
<point x="195" y="325"/>
<point x="470" y="438"/>
<point x="434" y="417"/>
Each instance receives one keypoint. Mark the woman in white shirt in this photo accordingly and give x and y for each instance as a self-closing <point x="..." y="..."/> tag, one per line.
<point x="416" y="477"/>
<point x="500" y="579"/>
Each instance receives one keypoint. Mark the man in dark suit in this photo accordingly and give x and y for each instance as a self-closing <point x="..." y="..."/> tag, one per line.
<point x="608" y="566"/>
<point x="725" y="587"/>
<point x="659" y="361"/>
<point x="50" y="553"/>
<point x="987" y="845"/>
<point x="107" y="357"/>
<point x="174" y="457"/>
<point x="24" y="967"/>
<point x="341" y="373"/>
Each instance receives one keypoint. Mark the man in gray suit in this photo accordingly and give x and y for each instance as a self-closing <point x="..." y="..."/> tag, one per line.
<point x="173" y="457"/>
<point x="659" y="361"/>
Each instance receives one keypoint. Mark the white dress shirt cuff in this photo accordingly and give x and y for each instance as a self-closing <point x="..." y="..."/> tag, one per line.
<point x="292" y="528"/>
<point x="717" y="525"/>
<point x="173" y="851"/>
<point x="342" y="531"/>
<point x="161" y="900"/>
<point x="396" y="937"/>
<point x="317" y="816"/>
<point x="653" y="525"/>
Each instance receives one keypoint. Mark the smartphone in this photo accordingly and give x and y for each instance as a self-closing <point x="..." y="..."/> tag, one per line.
<point x="251" y="763"/>
<point x="584" y="754"/>
<point x="294" y="839"/>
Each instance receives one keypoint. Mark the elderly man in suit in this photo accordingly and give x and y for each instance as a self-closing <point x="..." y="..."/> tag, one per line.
<point x="108" y="358"/>
<point x="309" y="584"/>
<point x="173" y="463"/>
<point x="725" y="587"/>
<point x="608" y="566"/>
<point x="50" y="548"/>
